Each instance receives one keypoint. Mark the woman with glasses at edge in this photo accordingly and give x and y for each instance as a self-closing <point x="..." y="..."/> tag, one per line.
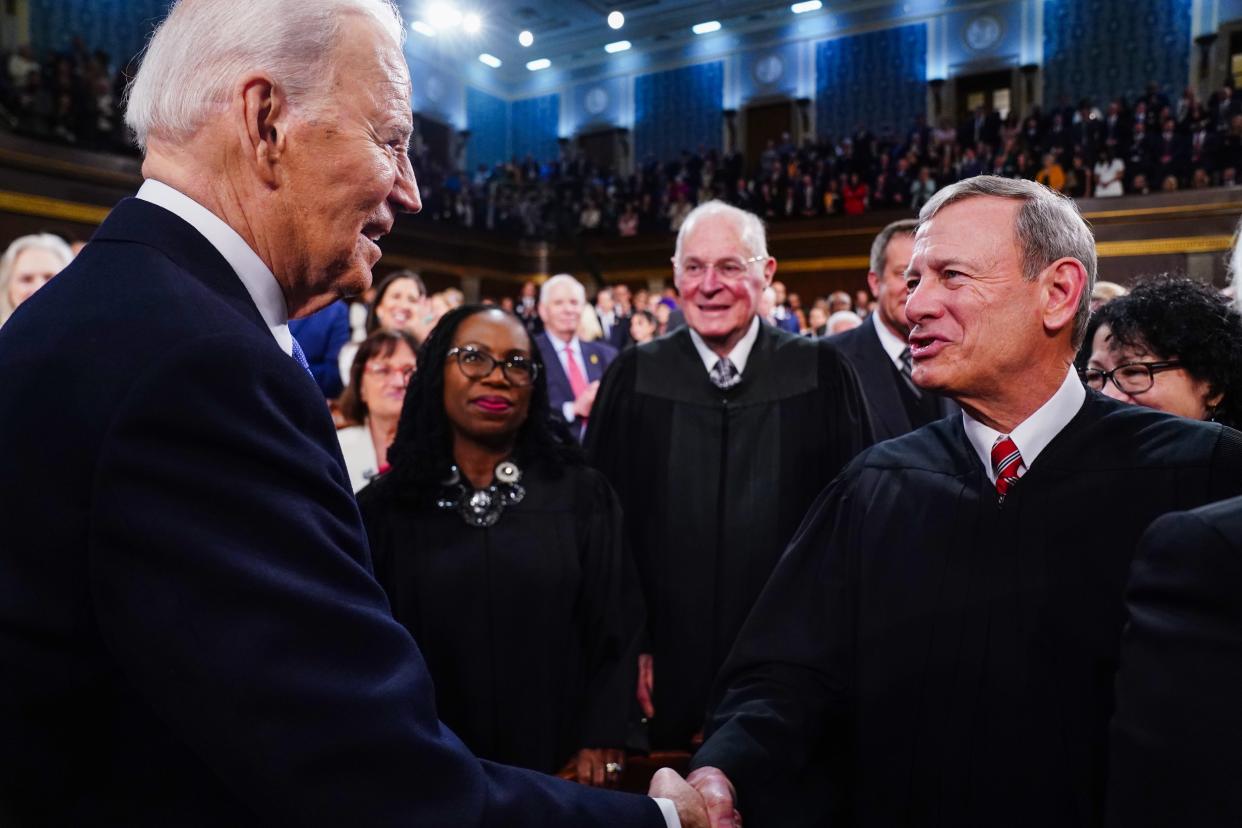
<point x="501" y="553"/>
<point x="372" y="401"/>
<point x="1173" y="344"/>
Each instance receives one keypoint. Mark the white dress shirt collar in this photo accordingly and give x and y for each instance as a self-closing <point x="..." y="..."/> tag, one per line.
<point x="255" y="276"/>
<point x="892" y="344"/>
<point x="1033" y="434"/>
<point x="738" y="356"/>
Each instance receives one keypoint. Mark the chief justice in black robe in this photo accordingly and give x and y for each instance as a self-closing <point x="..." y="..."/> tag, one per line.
<point x="714" y="480"/>
<point x="937" y="647"/>
<point x="512" y="579"/>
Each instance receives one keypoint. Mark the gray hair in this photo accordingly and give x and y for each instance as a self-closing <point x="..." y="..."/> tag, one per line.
<point x="842" y="316"/>
<point x="1049" y="227"/>
<point x="749" y="226"/>
<point x="8" y="262"/>
<point x="879" y="247"/>
<point x="1235" y="267"/>
<point x="203" y="47"/>
<point x="562" y="279"/>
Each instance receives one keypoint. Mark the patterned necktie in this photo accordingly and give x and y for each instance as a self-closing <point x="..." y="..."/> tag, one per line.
<point x="724" y="374"/>
<point x="907" y="369"/>
<point x="1006" y="464"/>
<point x="299" y="356"/>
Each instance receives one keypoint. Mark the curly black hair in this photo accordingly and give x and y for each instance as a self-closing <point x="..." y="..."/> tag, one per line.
<point x="1179" y="317"/>
<point x="422" y="451"/>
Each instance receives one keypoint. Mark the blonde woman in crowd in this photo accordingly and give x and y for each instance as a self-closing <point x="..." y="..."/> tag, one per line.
<point x="27" y="265"/>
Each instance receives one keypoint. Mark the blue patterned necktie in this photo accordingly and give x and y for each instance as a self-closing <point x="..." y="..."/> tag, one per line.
<point x="299" y="356"/>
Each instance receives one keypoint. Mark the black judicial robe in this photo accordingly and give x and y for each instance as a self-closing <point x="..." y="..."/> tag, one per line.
<point x="713" y="484"/>
<point x="951" y="660"/>
<point x="527" y="626"/>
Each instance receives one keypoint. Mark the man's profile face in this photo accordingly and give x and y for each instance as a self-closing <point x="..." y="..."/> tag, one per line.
<point x="889" y="287"/>
<point x="346" y="169"/>
<point x="975" y="323"/>
<point x="561" y="310"/>
<point x="721" y="300"/>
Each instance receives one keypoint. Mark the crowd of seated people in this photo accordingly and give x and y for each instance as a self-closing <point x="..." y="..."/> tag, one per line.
<point x="70" y="97"/>
<point x="1151" y="143"/>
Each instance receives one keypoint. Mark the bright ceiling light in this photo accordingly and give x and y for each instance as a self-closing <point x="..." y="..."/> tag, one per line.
<point x="526" y="38"/>
<point x="471" y="23"/>
<point x="490" y="60"/>
<point x="706" y="28"/>
<point x="616" y="20"/>
<point x="443" y="15"/>
<point x="536" y="65"/>
<point x="619" y="46"/>
<point x="423" y="29"/>
<point x="806" y="6"/>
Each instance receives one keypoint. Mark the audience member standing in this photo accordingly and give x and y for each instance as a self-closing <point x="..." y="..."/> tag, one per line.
<point x="943" y="632"/>
<point x="574" y="367"/>
<point x="381" y="371"/>
<point x="28" y="264"/>
<point x="717" y="437"/>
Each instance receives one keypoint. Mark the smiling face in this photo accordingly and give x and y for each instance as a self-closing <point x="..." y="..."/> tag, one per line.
<point x="720" y="306"/>
<point x="491" y="409"/>
<point x="401" y="306"/>
<point x="889" y="287"/>
<point x="32" y="269"/>
<point x="975" y="322"/>
<point x="1174" y="390"/>
<point x="561" y="310"/>
<point x="384" y="380"/>
<point x="346" y="172"/>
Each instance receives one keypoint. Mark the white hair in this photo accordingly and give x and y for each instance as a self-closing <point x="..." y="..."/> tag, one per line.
<point x="852" y="319"/>
<point x="562" y="279"/>
<point x="8" y="262"/>
<point x="749" y="226"/>
<point x="1235" y="267"/>
<point x="203" y="47"/>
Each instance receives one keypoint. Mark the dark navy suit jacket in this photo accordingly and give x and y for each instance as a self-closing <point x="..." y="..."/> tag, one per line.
<point x="322" y="335"/>
<point x="597" y="356"/>
<point x="1177" y="730"/>
<point x="862" y="348"/>
<point x="190" y="633"/>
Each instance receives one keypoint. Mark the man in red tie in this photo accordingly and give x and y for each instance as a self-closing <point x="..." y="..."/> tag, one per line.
<point x="937" y="645"/>
<point x="574" y="367"/>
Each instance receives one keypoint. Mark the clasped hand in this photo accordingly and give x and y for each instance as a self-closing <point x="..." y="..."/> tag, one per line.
<point x="704" y="799"/>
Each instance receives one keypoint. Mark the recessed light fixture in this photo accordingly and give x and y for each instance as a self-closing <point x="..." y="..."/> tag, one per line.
<point x="616" y="20"/>
<point x="490" y="60"/>
<point x="423" y="29"/>
<point x="806" y="6"/>
<point x="619" y="46"/>
<point x="536" y="65"/>
<point x="471" y="23"/>
<point x="526" y="38"/>
<point x="706" y="28"/>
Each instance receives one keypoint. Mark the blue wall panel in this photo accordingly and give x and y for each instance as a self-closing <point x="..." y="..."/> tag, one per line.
<point x="435" y="91"/>
<point x="678" y="110"/>
<point x="119" y="27"/>
<point x="1103" y="49"/>
<point x="487" y="118"/>
<point x="533" y="126"/>
<point x="877" y="79"/>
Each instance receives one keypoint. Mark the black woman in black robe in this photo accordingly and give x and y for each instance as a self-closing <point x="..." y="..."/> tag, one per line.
<point x="501" y="553"/>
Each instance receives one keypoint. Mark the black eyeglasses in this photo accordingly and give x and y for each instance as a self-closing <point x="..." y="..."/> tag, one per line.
<point x="1131" y="378"/>
<point x="518" y="370"/>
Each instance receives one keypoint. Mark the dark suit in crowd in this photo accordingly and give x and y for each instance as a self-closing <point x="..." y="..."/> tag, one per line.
<point x="190" y="633"/>
<point x="894" y="407"/>
<point x="1177" y="731"/>
<point x="596" y="356"/>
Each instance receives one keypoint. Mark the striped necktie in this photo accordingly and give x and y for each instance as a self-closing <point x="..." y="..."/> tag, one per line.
<point x="1006" y="464"/>
<point x="907" y="368"/>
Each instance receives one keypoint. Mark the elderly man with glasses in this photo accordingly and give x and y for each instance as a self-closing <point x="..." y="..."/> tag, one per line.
<point x="938" y="645"/>
<point x="717" y="438"/>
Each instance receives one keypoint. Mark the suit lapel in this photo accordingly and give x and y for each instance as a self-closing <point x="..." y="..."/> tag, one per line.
<point x="879" y="383"/>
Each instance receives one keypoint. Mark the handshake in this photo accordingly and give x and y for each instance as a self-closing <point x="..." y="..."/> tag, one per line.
<point x="704" y="799"/>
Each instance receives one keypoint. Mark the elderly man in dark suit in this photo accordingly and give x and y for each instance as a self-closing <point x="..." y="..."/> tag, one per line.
<point x="574" y="367"/>
<point x="190" y="633"/>
<point x="878" y="349"/>
<point x="1175" y="756"/>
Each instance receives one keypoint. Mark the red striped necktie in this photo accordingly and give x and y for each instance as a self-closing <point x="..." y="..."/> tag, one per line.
<point x="1006" y="464"/>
